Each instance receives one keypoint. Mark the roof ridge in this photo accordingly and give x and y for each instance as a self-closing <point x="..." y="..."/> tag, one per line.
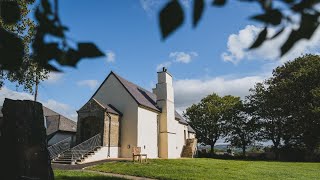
<point x="132" y="82"/>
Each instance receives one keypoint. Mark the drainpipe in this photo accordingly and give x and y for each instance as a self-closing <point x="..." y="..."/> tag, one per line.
<point x="109" y="138"/>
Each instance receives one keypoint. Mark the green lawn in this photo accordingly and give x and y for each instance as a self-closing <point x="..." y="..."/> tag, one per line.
<point x="213" y="169"/>
<point x="78" y="175"/>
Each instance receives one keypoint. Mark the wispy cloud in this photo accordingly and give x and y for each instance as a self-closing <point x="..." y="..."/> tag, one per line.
<point x="57" y="106"/>
<point x="165" y="64"/>
<point x="178" y="57"/>
<point x="92" y="84"/>
<point x="183" y="57"/>
<point x="111" y="56"/>
<point x="189" y="91"/>
<point x="237" y="46"/>
<point x="54" y="77"/>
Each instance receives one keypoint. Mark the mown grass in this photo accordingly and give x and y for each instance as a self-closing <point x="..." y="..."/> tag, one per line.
<point x="213" y="169"/>
<point x="80" y="175"/>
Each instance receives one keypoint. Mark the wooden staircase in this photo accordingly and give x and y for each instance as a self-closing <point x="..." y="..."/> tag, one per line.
<point x="190" y="148"/>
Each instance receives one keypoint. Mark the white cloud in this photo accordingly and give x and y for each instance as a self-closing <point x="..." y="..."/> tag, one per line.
<point x="189" y="91"/>
<point x="238" y="43"/>
<point x="183" y="57"/>
<point x="165" y="64"/>
<point x="59" y="107"/>
<point x="7" y="93"/>
<point x="54" y="77"/>
<point x="92" y="84"/>
<point x="111" y="56"/>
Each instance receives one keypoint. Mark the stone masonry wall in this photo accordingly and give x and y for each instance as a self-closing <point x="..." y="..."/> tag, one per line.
<point x="115" y="130"/>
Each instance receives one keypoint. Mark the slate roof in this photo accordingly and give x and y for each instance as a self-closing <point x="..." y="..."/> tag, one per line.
<point x="109" y="107"/>
<point x="140" y="95"/>
<point x="180" y="118"/>
<point x="57" y="122"/>
<point x="190" y="129"/>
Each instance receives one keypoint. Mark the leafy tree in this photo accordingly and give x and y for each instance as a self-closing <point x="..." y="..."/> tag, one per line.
<point x="29" y="73"/>
<point x="240" y="128"/>
<point x="208" y="117"/>
<point x="299" y="84"/>
<point x="287" y="104"/>
<point x="276" y="13"/>
<point x="267" y="109"/>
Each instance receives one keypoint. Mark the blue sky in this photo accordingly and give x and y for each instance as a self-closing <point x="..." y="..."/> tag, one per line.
<point x="209" y="58"/>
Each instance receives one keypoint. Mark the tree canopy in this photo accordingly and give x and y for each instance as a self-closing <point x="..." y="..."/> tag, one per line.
<point x="209" y="116"/>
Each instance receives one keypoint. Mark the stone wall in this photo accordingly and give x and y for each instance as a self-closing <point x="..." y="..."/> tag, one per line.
<point x="90" y="121"/>
<point x="115" y="130"/>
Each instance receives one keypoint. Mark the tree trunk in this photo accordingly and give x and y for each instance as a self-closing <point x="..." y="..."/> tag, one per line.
<point x="24" y="142"/>
<point x="212" y="148"/>
<point x="244" y="151"/>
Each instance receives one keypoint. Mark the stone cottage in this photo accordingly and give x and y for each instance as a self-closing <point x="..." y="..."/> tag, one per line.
<point x="127" y="116"/>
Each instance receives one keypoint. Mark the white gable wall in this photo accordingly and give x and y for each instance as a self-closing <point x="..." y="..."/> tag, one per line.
<point x="112" y="92"/>
<point x="148" y="132"/>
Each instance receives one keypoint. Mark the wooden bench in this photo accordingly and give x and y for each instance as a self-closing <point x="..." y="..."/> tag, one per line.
<point x="136" y="152"/>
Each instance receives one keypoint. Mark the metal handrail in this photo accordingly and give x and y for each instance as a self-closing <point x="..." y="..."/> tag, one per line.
<point x="80" y="150"/>
<point x="59" y="147"/>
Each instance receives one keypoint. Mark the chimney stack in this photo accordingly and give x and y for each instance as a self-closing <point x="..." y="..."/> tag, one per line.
<point x="167" y="124"/>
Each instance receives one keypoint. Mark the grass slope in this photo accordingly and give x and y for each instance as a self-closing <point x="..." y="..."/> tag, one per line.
<point x="78" y="175"/>
<point x="214" y="169"/>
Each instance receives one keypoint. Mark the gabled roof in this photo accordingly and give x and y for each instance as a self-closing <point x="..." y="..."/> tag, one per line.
<point x="142" y="96"/>
<point x="108" y="107"/>
<point x="180" y="118"/>
<point x="57" y="122"/>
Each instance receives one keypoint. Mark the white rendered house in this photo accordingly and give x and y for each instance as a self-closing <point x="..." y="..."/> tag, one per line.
<point x="128" y="116"/>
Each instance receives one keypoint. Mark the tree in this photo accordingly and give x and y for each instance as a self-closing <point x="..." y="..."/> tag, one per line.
<point x="298" y="82"/>
<point x="267" y="109"/>
<point x="208" y="116"/>
<point x="277" y="14"/>
<point x="287" y="104"/>
<point x="29" y="73"/>
<point x="241" y="128"/>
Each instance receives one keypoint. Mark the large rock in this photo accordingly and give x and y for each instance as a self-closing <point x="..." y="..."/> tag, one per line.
<point x="23" y="151"/>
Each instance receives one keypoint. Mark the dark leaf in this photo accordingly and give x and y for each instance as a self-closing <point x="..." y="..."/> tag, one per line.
<point x="219" y="2"/>
<point x="51" y="68"/>
<point x="171" y="17"/>
<point x="197" y="11"/>
<point x="273" y="17"/>
<point x="302" y="5"/>
<point x="278" y="33"/>
<point x="10" y="12"/>
<point x="11" y="51"/>
<point x="261" y="38"/>
<point x="308" y="24"/>
<point x="70" y="58"/>
<point x="89" y="50"/>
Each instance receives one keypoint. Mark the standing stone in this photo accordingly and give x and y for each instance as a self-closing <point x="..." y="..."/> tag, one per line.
<point x="24" y="153"/>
